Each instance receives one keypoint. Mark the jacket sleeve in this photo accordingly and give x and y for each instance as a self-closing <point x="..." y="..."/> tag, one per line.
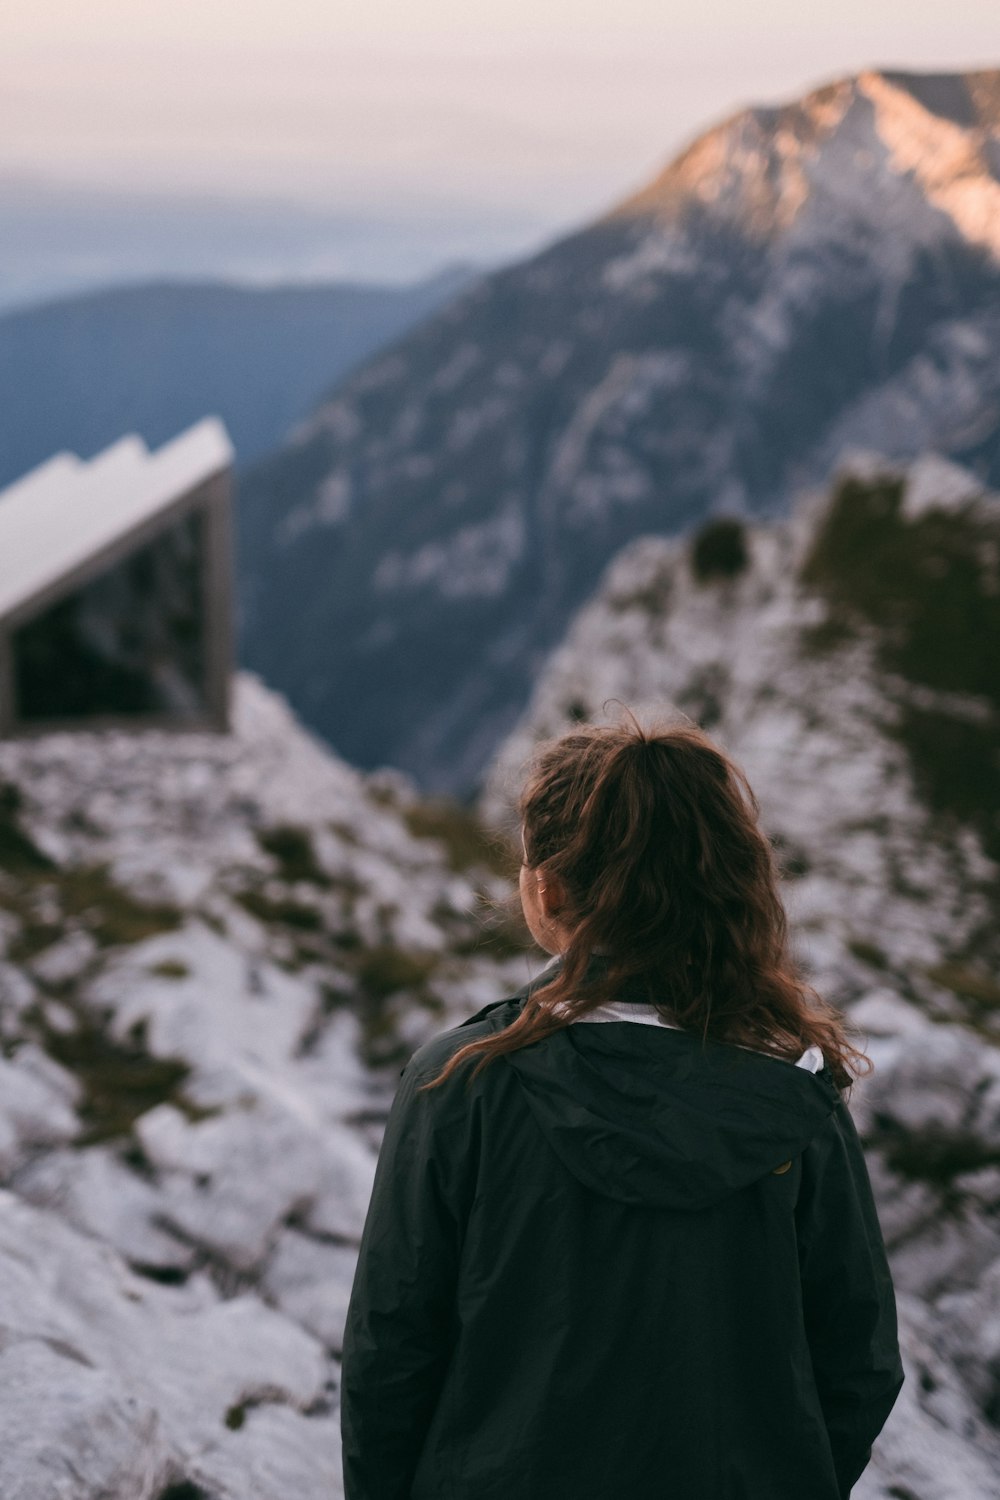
<point x="848" y="1299"/>
<point x="400" y="1318"/>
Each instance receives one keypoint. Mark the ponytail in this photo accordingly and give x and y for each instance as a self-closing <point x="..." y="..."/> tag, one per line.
<point x="654" y="839"/>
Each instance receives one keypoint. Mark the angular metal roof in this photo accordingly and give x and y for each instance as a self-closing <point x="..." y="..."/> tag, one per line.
<point x="67" y="510"/>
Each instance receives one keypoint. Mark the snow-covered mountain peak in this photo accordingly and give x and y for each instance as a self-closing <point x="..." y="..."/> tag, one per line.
<point x="765" y="166"/>
<point x="955" y="159"/>
<point x="751" y="165"/>
<point x="804" y="280"/>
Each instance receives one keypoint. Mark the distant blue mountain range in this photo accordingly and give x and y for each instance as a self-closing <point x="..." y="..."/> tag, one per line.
<point x="78" y="373"/>
<point x="63" y="239"/>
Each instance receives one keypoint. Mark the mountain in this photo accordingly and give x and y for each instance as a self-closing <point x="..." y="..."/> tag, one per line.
<point x="801" y="280"/>
<point x="62" y="238"/>
<point x="215" y="952"/>
<point x="848" y="659"/>
<point x="217" y="949"/>
<point x="847" y="656"/>
<point x="154" y="358"/>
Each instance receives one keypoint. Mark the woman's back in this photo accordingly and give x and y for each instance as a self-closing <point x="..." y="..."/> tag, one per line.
<point x="623" y="1259"/>
<point x="621" y="1263"/>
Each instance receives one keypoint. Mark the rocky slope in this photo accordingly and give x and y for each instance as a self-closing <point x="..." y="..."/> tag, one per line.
<point x="802" y="278"/>
<point x="850" y="660"/>
<point x="214" y="953"/>
<point x="216" y="950"/>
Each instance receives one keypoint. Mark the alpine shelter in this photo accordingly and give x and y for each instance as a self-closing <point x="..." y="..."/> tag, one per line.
<point x="116" y="588"/>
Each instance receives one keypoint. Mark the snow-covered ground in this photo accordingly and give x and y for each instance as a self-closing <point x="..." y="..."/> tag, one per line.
<point x="216" y="951"/>
<point x="894" y="909"/>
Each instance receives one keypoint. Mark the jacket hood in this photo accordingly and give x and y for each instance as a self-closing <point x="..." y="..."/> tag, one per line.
<point x="661" y="1117"/>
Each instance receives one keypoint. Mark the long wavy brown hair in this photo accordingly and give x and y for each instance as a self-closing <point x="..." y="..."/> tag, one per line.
<point x="653" y="841"/>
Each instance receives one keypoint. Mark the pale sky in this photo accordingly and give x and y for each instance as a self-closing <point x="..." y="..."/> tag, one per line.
<point x="541" y="111"/>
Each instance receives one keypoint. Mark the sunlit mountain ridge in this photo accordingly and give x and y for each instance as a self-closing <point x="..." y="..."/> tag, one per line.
<point x="801" y="281"/>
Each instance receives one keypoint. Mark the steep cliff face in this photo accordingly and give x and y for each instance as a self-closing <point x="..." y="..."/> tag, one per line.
<point x="849" y="658"/>
<point x="802" y="279"/>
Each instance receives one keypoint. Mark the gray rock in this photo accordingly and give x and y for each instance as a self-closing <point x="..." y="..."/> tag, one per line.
<point x="935" y="1444"/>
<point x="882" y="1013"/>
<point x="970" y="1323"/>
<point x="989" y="1110"/>
<point x="95" y="1191"/>
<point x="262" y="1017"/>
<point x="340" y="1202"/>
<point x="311" y="1282"/>
<point x="904" y="1208"/>
<point x="71" y="1432"/>
<point x="228" y="1183"/>
<point x="16" y="992"/>
<point x="35" y="1106"/>
<point x="951" y="1251"/>
<point x="180" y="1351"/>
<point x="65" y="959"/>
<point x="264" y="1172"/>
<point x="930" y="1085"/>
<point x="276" y="1454"/>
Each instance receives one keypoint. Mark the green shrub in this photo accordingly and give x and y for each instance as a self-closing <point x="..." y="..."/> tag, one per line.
<point x="956" y="767"/>
<point x="285" y="913"/>
<point x="929" y="584"/>
<point x="170" y="968"/>
<point x="967" y="983"/>
<point x="18" y="854"/>
<point x="383" y="971"/>
<point x="292" y="847"/>
<point x="868" y="953"/>
<point x="86" y="897"/>
<point x="719" y="549"/>
<point x="467" y="842"/>
<point x="929" y="588"/>
<point x="112" y="915"/>
<point x="936" y="1157"/>
<point x="119" y="1081"/>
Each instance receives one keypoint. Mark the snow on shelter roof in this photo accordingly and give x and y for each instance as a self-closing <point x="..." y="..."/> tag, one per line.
<point x="65" y="511"/>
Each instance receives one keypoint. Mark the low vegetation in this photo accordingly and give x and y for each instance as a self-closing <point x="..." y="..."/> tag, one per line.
<point x="313" y="920"/>
<point x="19" y="855"/>
<point x="384" y="971"/>
<point x="119" y="1081"/>
<point x="282" y="911"/>
<point x="719" y="550"/>
<point x="292" y="847"/>
<point x="49" y="905"/>
<point x="652" y="596"/>
<point x="170" y="968"/>
<point x="936" y="1158"/>
<point x="926" y="590"/>
<point x="977" y="989"/>
<point x="931" y="584"/>
<point x="868" y="953"/>
<point x="468" y="843"/>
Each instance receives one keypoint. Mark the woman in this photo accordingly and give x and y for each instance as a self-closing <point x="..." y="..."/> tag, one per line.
<point x="622" y="1240"/>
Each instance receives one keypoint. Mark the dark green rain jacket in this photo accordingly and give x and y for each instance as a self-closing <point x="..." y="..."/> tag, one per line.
<point x="592" y="1274"/>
